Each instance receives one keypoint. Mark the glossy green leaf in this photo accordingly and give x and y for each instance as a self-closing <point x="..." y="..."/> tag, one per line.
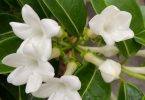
<point x="3" y="7"/>
<point x="5" y="69"/>
<point x="128" y="47"/>
<point x="4" y="22"/>
<point x="70" y="13"/>
<point x="8" y="91"/>
<point x="35" y="5"/>
<point x="140" y="38"/>
<point x="143" y="12"/>
<point x="44" y="8"/>
<point x="137" y="24"/>
<point x="93" y="86"/>
<point x="129" y="92"/>
<point x="12" y="3"/>
<point x="8" y="46"/>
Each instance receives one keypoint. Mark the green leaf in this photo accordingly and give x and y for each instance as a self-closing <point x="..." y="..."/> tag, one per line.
<point x="8" y="91"/>
<point x="128" y="47"/>
<point x="12" y="3"/>
<point x="93" y="86"/>
<point x="8" y="46"/>
<point x="140" y="38"/>
<point x="4" y="22"/>
<point x="143" y="12"/>
<point x="35" y="5"/>
<point x="5" y="69"/>
<point x="129" y="92"/>
<point x="70" y="13"/>
<point x="3" y="7"/>
<point x="44" y="8"/>
<point x="137" y="24"/>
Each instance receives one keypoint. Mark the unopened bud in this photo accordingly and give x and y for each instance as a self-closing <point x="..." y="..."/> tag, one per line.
<point x="55" y="53"/>
<point x="71" y="68"/>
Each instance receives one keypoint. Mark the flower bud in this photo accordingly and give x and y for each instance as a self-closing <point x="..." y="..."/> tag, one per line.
<point x="141" y="53"/>
<point x="71" y="68"/>
<point x="110" y="70"/>
<point x="107" y="51"/>
<point x="55" y="53"/>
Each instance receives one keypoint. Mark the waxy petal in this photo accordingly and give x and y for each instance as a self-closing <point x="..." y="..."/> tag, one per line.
<point x="121" y="20"/>
<point x="108" y="40"/>
<point x="22" y="30"/>
<point x="123" y="35"/>
<point x="30" y="16"/>
<point x="37" y="48"/>
<point x="96" y="24"/>
<point x="71" y="82"/>
<point x="47" y="89"/>
<point x="46" y="70"/>
<point x="34" y="83"/>
<point x="110" y="70"/>
<point x="19" y="76"/>
<point x="109" y="11"/>
<point x="50" y="27"/>
<point x="16" y="60"/>
<point x="73" y="95"/>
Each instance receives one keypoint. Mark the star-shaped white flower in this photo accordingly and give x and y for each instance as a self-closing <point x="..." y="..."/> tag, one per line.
<point x="64" y="88"/>
<point x="33" y="26"/>
<point x="30" y="68"/>
<point x="112" y="24"/>
<point x="110" y="70"/>
<point x="35" y="30"/>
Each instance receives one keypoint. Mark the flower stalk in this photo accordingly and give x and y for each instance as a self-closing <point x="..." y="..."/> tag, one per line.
<point x="89" y="57"/>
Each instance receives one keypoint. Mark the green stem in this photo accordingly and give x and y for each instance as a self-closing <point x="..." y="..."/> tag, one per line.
<point x="130" y="73"/>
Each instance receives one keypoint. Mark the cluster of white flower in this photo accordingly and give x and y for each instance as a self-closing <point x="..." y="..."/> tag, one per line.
<point x="31" y="58"/>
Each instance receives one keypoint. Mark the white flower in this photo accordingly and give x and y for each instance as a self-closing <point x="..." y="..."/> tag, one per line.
<point x="110" y="70"/>
<point x="64" y="88"/>
<point x="112" y="24"/>
<point x="33" y="26"/>
<point x="30" y="68"/>
<point x="36" y="33"/>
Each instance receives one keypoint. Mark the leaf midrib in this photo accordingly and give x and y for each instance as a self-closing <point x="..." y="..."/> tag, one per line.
<point x="89" y="83"/>
<point x="68" y="16"/>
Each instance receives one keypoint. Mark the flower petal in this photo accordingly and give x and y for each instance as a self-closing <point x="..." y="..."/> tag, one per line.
<point x="121" y="20"/>
<point x="109" y="11"/>
<point x="57" y="96"/>
<point x="110" y="70"/>
<point x="38" y="48"/>
<point x="30" y="16"/>
<point x="34" y="82"/>
<point x="123" y="35"/>
<point x="50" y="27"/>
<point x="47" y="89"/>
<point x="19" y="76"/>
<point x="16" y="60"/>
<point x="46" y="70"/>
<point x="108" y="39"/>
<point x="108" y="78"/>
<point x="96" y="24"/>
<point x="71" y="82"/>
<point x="21" y="30"/>
<point x="72" y="95"/>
